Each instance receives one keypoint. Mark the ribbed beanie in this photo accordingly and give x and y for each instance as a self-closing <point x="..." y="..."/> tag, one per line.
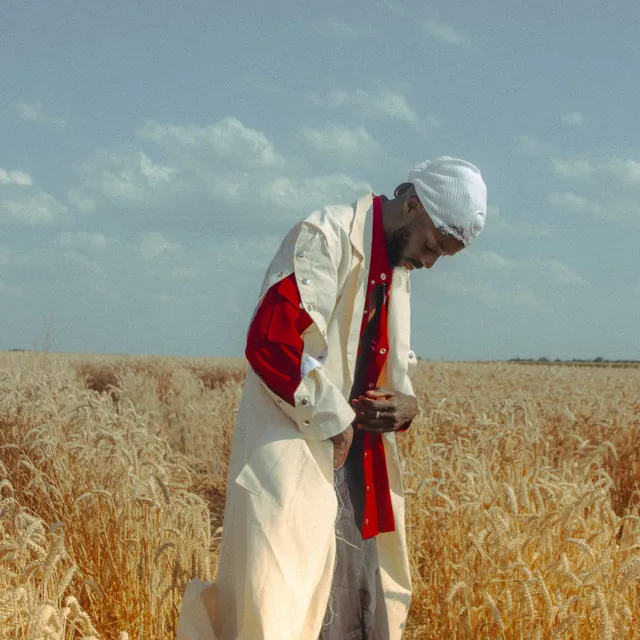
<point x="454" y="195"/>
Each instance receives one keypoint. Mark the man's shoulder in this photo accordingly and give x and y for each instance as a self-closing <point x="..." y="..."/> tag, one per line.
<point x="337" y="219"/>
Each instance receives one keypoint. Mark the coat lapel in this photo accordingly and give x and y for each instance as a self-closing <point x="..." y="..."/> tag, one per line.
<point x="360" y="237"/>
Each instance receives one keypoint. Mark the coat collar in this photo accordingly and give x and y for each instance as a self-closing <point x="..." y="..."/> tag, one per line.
<point x="361" y="228"/>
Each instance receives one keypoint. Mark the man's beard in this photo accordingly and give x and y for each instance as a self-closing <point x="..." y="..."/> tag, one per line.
<point x="397" y="244"/>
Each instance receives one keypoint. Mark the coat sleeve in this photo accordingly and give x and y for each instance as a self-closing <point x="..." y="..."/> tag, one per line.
<point x="287" y="339"/>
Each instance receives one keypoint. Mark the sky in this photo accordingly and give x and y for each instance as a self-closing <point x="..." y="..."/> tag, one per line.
<point x="153" y="154"/>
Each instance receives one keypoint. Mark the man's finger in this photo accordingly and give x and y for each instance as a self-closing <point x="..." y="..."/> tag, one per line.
<point x="379" y="393"/>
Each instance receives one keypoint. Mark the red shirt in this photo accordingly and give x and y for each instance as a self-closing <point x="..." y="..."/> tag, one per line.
<point x="274" y="351"/>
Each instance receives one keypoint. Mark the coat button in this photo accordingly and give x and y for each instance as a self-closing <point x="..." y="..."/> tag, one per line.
<point x="370" y="385"/>
<point x="304" y="401"/>
<point x="306" y="422"/>
<point x="366" y="520"/>
<point x="308" y="307"/>
<point x="383" y="276"/>
<point x="305" y="280"/>
<point x="383" y="351"/>
<point x="299" y="254"/>
<point x="282" y="274"/>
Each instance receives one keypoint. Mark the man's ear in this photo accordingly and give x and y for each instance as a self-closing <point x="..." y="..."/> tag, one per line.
<point x="411" y="206"/>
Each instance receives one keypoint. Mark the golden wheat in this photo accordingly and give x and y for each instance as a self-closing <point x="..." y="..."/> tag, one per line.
<point x="522" y="496"/>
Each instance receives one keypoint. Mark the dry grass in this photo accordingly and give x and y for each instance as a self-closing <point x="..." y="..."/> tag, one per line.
<point x="522" y="496"/>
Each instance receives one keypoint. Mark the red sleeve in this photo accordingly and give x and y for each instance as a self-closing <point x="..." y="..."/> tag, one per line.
<point x="274" y="342"/>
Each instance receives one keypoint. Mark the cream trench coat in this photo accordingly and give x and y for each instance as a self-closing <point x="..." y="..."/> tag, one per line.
<point x="278" y="543"/>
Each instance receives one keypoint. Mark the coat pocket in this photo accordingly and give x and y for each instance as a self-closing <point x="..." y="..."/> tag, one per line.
<point x="273" y="467"/>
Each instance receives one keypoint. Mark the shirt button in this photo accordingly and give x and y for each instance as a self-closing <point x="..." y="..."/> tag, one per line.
<point x="383" y="351"/>
<point x="305" y="280"/>
<point x="383" y="276"/>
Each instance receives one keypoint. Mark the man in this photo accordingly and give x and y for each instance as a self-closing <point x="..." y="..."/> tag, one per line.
<point x="313" y="538"/>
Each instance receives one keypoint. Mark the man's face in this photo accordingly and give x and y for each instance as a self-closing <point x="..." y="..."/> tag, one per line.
<point x="419" y="244"/>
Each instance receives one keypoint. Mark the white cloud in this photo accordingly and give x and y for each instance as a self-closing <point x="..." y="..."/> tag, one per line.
<point x="154" y="244"/>
<point x="573" y="118"/>
<point x="523" y="295"/>
<point x="530" y="146"/>
<point x="493" y="260"/>
<point x="609" y="185"/>
<point x="36" y="112"/>
<point x="305" y="193"/>
<point x="126" y="176"/>
<point x="82" y="261"/>
<point x="574" y="202"/>
<point x="578" y="169"/>
<point x="341" y="141"/>
<point x="80" y="202"/>
<point x="446" y="33"/>
<point x="17" y="178"/>
<point x="216" y="145"/>
<point x="184" y="272"/>
<point x="342" y="30"/>
<point x="497" y="223"/>
<point x="556" y="271"/>
<point x="34" y="209"/>
<point x="385" y="103"/>
<point x="224" y="176"/>
<point x="82" y="240"/>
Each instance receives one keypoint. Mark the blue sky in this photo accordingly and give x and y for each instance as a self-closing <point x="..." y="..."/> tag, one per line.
<point x="153" y="155"/>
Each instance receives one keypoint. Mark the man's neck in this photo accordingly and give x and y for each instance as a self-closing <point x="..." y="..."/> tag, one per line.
<point x="391" y="216"/>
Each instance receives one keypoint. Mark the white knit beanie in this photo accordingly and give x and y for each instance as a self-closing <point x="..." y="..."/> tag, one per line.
<point x="454" y="195"/>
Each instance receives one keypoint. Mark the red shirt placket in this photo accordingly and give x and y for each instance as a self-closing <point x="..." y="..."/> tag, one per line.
<point x="378" y="510"/>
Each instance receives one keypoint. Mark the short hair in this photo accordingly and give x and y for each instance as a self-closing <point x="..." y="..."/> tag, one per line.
<point x="403" y="188"/>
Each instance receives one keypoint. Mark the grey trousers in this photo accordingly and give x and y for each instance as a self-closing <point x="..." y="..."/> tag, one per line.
<point x="356" y="609"/>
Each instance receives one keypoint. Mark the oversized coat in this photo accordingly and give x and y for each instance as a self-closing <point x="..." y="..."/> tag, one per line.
<point x="278" y="544"/>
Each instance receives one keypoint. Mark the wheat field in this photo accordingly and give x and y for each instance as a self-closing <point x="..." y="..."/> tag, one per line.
<point x="521" y="482"/>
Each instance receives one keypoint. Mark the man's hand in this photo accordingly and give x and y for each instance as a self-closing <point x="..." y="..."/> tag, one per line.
<point x="341" y="445"/>
<point x="382" y="410"/>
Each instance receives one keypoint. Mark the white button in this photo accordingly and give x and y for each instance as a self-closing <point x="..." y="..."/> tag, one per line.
<point x="305" y="280"/>
<point x="366" y="521"/>
<point x="383" y="351"/>
<point x="411" y="355"/>
<point x="281" y="274"/>
<point x="299" y="254"/>
<point x="383" y="276"/>
<point x="301" y="306"/>
<point x="308" y="307"/>
<point x="373" y="282"/>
